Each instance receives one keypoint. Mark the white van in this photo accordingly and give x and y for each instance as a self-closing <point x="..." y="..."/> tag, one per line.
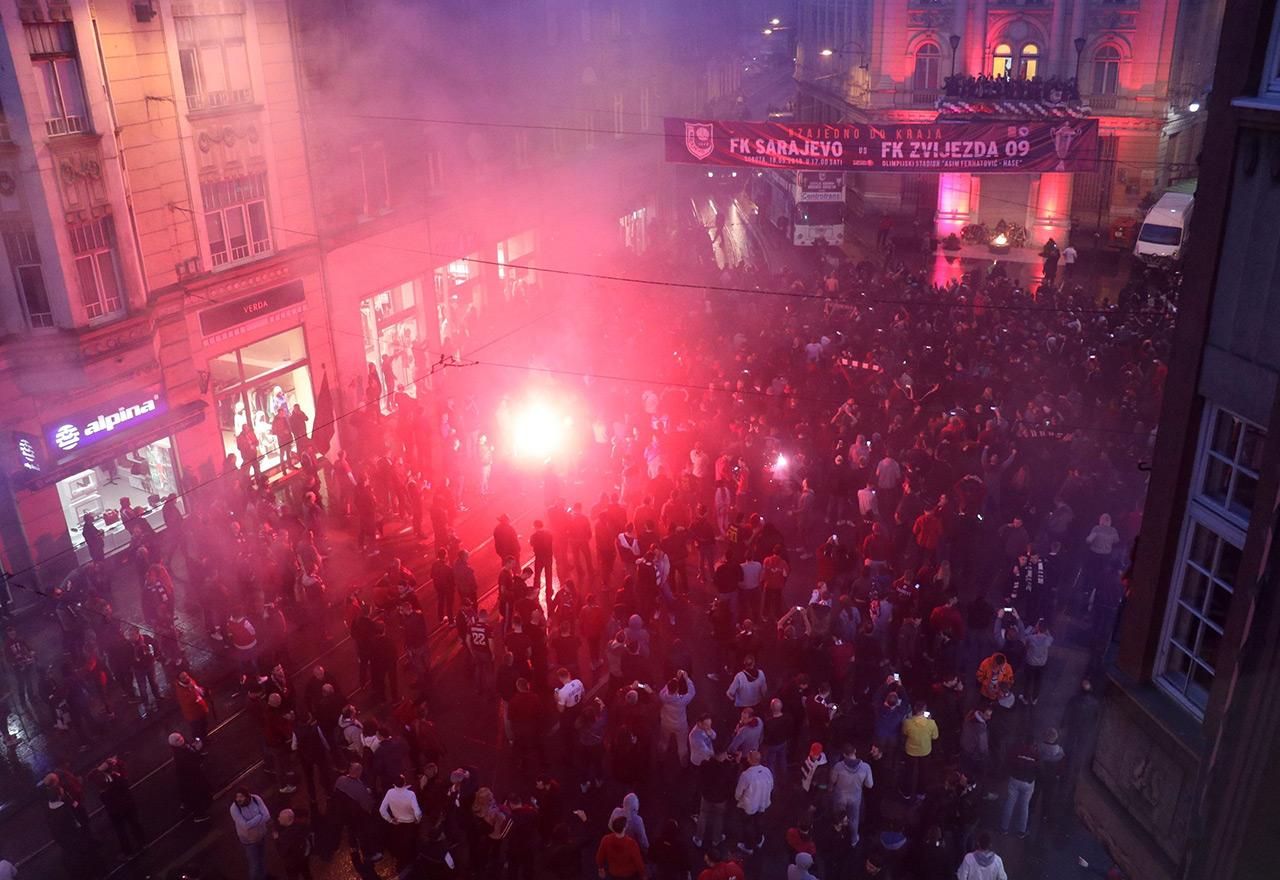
<point x="1164" y="231"/>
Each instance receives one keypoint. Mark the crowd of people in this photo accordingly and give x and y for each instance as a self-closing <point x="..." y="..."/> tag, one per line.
<point x="841" y="529"/>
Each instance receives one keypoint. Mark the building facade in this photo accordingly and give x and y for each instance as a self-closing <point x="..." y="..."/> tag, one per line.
<point x="214" y="210"/>
<point x="160" y="238"/>
<point x="888" y="61"/>
<point x="1182" y="779"/>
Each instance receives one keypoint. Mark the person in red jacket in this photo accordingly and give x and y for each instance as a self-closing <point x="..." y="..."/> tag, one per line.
<point x="618" y="855"/>
<point x="720" y="867"/>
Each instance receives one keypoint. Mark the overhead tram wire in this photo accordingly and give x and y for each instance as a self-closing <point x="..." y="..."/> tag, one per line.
<point x="712" y="386"/>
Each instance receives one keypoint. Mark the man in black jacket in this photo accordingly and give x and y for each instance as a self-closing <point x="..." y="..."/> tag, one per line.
<point x="383" y="669"/>
<point x="314" y="754"/>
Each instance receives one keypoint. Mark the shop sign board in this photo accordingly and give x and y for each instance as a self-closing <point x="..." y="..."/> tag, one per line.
<point x="226" y="315"/>
<point x="26" y="452"/>
<point x="111" y="419"/>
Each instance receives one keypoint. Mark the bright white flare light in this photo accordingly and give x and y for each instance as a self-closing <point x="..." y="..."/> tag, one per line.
<point x="539" y="432"/>
<point x="780" y="463"/>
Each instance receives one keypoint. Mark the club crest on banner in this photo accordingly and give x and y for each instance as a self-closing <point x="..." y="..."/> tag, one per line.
<point x="698" y="139"/>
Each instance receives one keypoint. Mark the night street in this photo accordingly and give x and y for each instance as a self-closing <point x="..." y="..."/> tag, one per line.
<point x="698" y="440"/>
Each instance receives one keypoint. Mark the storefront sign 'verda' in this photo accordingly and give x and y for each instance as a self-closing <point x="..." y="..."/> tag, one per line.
<point x="90" y="426"/>
<point x="988" y="147"/>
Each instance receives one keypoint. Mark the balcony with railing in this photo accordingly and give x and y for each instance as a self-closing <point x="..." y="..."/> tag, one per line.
<point x="60" y="125"/>
<point x="216" y="100"/>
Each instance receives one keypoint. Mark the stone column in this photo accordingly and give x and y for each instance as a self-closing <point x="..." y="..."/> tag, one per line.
<point x="959" y="27"/>
<point x="1053" y="209"/>
<point x="976" y="51"/>
<point x="1059" y="64"/>
<point x="957" y="200"/>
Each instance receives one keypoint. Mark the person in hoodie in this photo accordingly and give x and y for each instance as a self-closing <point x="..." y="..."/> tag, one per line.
<point x="702" y="738"/>
<point x="749" y="687"/>
<point x="636" y="632"/>
<point x="889" y="715"/>
<point x="815" y="774"/>
<point x="674" y="715"/>
<point x="630" y="810"/>
<point x="982" y="863"/>
<point x="748" y="735"/>
<point x="753" y="794"/>
<point x="253" y="822"/>
<point x="975" y="747"/>
<point x="849" y="778"/>
<point x="800" y="869"/>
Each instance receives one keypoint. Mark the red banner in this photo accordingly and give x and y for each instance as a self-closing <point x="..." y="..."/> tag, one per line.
<point x="987" y="147"/>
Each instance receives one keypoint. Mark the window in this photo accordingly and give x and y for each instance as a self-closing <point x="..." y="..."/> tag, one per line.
<point x="1028" y="61"/>
<point x="214" y="60"/>
<point x="1106" y="70"/>
<point x="254" y="383"/>
<point x="24" y="257"/>
<point x="617" y="116"/>
<point x="236" y="218"/>
<point x="93" y="244"/>
<point x="1232" y="460"/>
<point x="1209" y="554"/>
<point x="371" y="159"/>
<point x="57" y="69"/>
<point x="1002" y="62"/>
<point x="928" y="64"/>
<point x="389" y="322"/>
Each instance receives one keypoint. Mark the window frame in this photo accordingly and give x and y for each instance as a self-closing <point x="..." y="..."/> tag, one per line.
<point x="1207" y="454"/>
<point x="1110" y="70"/>
<point x="1007" y="56"/>
<point x="97" y="241"/>
<point x="935" y="60"/>
<point x="1029" y="61"/>
<point x="1269" y="88"/>
<point x="23" y="251"/>
<point x="245" y="205"/>
<point x="53" y="49"/>
<point x="205" y="98"/>
<point x="373" y="157"/>
<point x="1204" y="511"/>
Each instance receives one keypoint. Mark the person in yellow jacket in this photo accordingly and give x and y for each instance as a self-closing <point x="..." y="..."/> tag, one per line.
<point x="919" y="731"/>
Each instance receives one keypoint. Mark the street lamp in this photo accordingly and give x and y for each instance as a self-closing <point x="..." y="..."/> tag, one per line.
<point x="826" y="53"/>
<point x="1079" y="43"/>
<point x="954" y="40"/>
<point x="775" y="21"/>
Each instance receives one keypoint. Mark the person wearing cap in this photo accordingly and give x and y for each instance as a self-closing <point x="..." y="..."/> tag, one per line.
<point x="815" y="773"/>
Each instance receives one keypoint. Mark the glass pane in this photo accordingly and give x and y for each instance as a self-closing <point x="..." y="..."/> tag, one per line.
<point x="1226" y="433"/>
<point x="1198" y="687"/>
<point x="1186" y="626"/>
<point x="224" y="370"/>
<point x="217" y="235"/>
<point x="1228" y="564"/>
<point x="1217" y="480"/>
<point x="237" y="237"/>
<point x="190" y="71"/>
<point x="1251" y="448"/>
<point x="1195" y="588"/>
<point x="110" y="282"/>
<point x="258" y="226"/>
<point x="33" y="290"/>
<point x="49" y="87"/>
<point x="238" y="71"/>
<point x="1243" y="497"/>
<point x="1219" y="605"/>
<point x="1210" y="639"/>
<point x="215" y="76"/>
<point x="272" y="353"/>
<point x="1204" y="546"/>
<point x="72" y="92"/>
<point x="1177" y="669"/>
<point x="89" y="294"/>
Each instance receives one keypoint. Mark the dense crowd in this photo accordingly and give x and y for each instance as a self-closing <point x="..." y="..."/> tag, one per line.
<point x="842" y="529"/>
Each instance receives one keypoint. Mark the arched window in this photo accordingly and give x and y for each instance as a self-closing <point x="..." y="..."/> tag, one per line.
<point x="1106" y="70"/>
<point x="928" y="66"/>
<point x="1028" y="61"/>
<point x="1002" y="61"/>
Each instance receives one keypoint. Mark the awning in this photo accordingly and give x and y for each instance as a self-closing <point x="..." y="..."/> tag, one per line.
<point x="171" y="423"/>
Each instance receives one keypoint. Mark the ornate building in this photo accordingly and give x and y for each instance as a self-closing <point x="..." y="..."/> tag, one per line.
<point x="889" y="60"/>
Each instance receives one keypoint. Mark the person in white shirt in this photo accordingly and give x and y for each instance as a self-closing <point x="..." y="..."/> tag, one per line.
<point x="673" y="717"/>
<point x="867" y="500"/>
<point x="753" y="793"/>
<point x="401" y="811"/>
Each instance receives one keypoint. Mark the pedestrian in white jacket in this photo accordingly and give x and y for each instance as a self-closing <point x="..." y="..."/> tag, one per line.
<point x="753" y="794"/>
<point x="748" y="687"/>
<point x="982" y="863"/>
